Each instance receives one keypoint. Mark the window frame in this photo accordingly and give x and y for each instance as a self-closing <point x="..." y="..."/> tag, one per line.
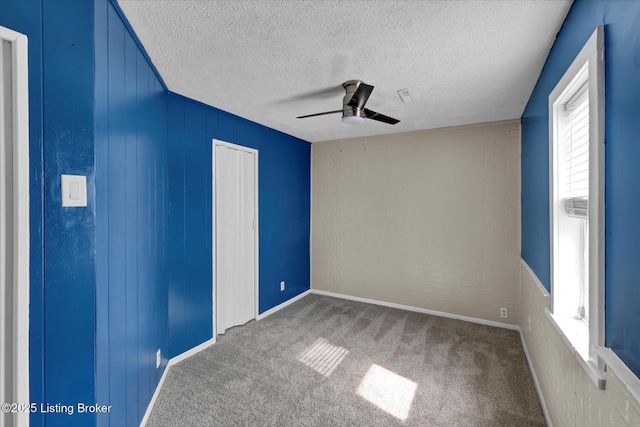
<point x="591" y="55"/>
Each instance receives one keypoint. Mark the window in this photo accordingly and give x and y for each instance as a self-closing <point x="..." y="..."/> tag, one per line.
<point x="576" y="114"/>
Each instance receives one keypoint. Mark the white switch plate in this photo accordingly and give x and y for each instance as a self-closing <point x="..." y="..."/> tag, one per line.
<point x="158" y="358"/>
<point x="282" y="286"/>
<point x="74" y="190"/>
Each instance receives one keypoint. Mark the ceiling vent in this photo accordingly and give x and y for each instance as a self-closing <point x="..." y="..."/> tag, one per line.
<point x="404" y="95"/>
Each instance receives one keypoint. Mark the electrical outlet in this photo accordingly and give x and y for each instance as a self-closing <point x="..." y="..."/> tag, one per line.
<point x="158" y="358"/>
<point x="503" y="313"/>
<point x="282" y="285"/>
<point x="529" y="322"/>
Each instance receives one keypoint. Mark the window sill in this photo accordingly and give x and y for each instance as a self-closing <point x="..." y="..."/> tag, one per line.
<point x="575" y="334"/>
<point x="620" y="369"/>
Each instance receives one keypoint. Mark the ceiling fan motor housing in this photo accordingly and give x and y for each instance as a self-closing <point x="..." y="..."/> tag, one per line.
<point x="349" y="110"/>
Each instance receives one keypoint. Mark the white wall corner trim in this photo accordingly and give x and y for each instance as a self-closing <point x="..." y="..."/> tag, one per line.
<point x="418" y="310"/>
<point x="282" y="305"/>
<point x="311" y="217"/>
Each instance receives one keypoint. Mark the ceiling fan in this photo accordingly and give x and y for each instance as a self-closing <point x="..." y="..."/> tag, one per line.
<point x="353" y="111"/>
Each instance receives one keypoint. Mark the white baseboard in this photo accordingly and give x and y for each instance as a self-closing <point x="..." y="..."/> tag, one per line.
<point x="212" y="341"/>
<point x="191" y="352"/>
<point x="419" y="310"/>
<point x="545" y="293"/>
<point x="170" y="363"/>
<point x="283" y="305"/>
<point x="535" y="381"/>
<point x="154" y="397"/>
<point x="201" y="347"/>
<point x="454" y="316"/>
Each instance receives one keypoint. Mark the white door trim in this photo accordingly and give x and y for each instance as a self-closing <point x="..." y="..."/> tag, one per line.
<point x="217" y="142"/>
<point x="21" y="215"/>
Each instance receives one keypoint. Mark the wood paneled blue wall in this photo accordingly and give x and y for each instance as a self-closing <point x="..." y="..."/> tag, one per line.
<point x="284" y="214"/>
<point x="26" y="18"/>
<point x="130" y="162"/>
<point x="99" y="271"/>
<point x="621" y="20"/>
<point x="69" y="245"/>
<point x="62" y="240"/>
<point x="131" y="273"/>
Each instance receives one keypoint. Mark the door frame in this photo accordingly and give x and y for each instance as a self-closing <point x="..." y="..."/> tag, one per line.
<point x="256" y="291"/>
<point x="20" y="192"/>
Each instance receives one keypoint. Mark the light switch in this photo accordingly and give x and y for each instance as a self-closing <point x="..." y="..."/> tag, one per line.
<point x="74" y="190"/>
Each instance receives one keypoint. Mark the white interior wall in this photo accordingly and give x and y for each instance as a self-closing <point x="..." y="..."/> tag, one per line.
<point x="571" y="397"/>
<point x="428" y="219"/>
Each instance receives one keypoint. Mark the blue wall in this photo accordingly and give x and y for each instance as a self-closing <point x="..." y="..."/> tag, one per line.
<point x="62" y="240"/>
<point x="622" y="157"/>
<point x="131" y="273"/>
<point x="69" y="291"/>
<point x="284" y="214"/>
<point x="130" y="162"/>
<point x="26" y="17"/>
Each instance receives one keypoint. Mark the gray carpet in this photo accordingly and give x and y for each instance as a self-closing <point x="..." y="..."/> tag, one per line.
<point x="325" y="361"/>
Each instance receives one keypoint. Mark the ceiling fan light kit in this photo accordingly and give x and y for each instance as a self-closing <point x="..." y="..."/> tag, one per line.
<point x="353" y="111"/>
<point x="353" y="120"/>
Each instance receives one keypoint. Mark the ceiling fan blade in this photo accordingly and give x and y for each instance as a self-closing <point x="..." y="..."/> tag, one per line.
<point x="369" y="114"/>
<point x="325" y="93"/>
<point x="360" y="96"/>
<point x="319" y="114"/>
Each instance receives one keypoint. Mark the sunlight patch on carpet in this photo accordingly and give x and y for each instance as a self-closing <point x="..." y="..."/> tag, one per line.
<point x="322" y="356"/>
<point x="388" y="391"/>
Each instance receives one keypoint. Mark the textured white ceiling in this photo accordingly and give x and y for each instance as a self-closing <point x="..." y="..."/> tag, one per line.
<point x="462" y="61"/>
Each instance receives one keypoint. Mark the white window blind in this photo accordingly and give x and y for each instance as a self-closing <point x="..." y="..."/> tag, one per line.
<point x="575" y="149"/>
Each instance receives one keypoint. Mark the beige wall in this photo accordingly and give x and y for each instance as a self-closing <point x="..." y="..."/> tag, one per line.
<point x="428" y="219"/>
<point x="571" y="397"/>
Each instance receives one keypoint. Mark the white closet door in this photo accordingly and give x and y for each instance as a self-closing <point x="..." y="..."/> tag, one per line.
<point x="235" y="237"/>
